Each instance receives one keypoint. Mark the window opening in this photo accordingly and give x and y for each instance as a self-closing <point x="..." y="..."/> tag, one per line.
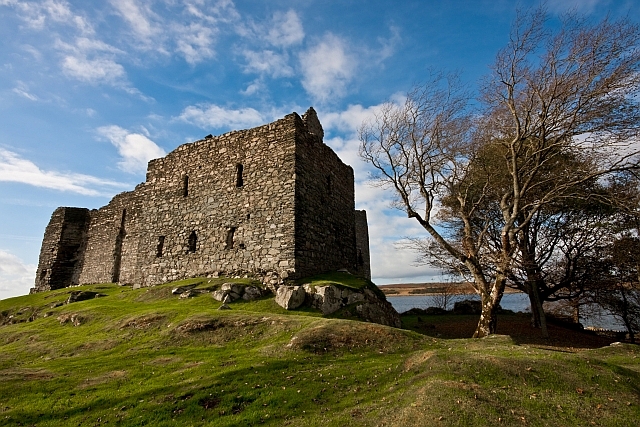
<point x="248" y="216"/>
<point x="193" y="240"/>
<point x="185" y="186"/>
<point x="230" y="232"/>
<point x="160" y="246"/>
<point x="239" y="181"/>
<point x="329" y="185"/>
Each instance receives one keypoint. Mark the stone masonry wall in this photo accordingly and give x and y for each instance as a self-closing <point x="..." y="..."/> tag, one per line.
<point x="62" y="249"/>
<point x="362" y="245"/>
<point x="193" y="196"/>
<point x="272" y="200"/>
<point x="324" y="217"/>
<point x="111" y="240"/>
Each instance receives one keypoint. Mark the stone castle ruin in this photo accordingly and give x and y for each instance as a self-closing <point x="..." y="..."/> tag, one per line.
<point x="273" y="202"/>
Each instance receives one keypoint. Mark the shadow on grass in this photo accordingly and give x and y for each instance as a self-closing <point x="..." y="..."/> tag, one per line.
<point x="517" y="326"/>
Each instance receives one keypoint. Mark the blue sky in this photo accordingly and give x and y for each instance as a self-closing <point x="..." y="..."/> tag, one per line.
<point x="90" y="91"/>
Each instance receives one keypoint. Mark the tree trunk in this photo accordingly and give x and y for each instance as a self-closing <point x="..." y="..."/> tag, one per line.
<point x="535" y="315"/>
<point x="625" y="316"/>
<point x="542" y="319"/>
<point x="576" y="311"/>
<point x="488" y="317"/>
<point x="538" y="317"/>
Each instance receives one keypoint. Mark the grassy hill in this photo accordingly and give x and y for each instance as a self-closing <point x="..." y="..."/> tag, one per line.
<point x="146" y="357"/>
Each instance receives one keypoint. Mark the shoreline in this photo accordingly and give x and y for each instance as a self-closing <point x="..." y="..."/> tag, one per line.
<point x="438" y="293"/>
<point x="429" y="289"/>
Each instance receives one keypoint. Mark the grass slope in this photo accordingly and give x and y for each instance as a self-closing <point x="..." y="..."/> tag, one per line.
<point x="146" y="357"/>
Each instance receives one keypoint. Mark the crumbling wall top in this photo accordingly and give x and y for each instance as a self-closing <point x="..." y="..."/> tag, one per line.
<point x="311" y="121"/>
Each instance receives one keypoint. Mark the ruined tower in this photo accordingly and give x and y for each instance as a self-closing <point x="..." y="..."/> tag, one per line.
<point x="272" y="201"/>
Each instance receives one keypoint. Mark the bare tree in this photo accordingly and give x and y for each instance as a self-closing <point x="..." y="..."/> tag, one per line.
<point x="554" y="101"/>
<point x="446" y="295"/>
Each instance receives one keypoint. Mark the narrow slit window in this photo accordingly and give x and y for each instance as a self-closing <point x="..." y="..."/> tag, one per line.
<point x="239" y="180"/>
<point x="230" y="232"/>
<point x="329" y="184"/>
<point x="193" y="241"/>
<point x="185" y="186"/>
<point x="160" y="247"/>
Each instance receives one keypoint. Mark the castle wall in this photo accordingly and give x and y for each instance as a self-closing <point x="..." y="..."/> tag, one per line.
<point x="62" y="249"/>
<point x="324" y="217"/>
<point x="273" y="200"/>
<point x="362" y="245"/>
<point x="206" y="221"/>
<point x="111" y="241"/>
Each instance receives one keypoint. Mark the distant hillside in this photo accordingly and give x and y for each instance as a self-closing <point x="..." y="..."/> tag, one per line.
<point x="426" y="288"/>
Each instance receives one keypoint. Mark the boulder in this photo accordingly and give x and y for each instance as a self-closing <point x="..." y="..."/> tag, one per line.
<point x="328" y="299"/>
<point x="187" y="294"/>
<point x="435" y="310"/>
<point x="290" y="297"/>
<point x="467" y="306"/>
<point x="379" y="311"/>
<point x="365" y="304"/>
<point x="251" y="293"/>
<point x="76" y="296"/>
<point x="219" y="295"/>
<point x="233" y="287"/>
<point x="182" y="289"/>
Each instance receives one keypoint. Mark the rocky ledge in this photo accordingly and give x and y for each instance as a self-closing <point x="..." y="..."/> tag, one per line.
<point x="360" y="303"/>
<point x="330" y="298"/>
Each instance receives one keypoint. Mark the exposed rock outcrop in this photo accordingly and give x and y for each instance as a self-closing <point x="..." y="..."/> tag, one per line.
<point x="360" y="303"/>
<point x="230" y="292"/>
<point x="290" y="297"/>
<point x="75" y="296"/>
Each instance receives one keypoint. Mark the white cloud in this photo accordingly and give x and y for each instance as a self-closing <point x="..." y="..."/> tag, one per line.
<point x="87" y="59"/>
<point x="348" y="120"/>
<point x="254" y="87"/>
<point x="37" y="55"/>
<point x="213" y="116"/>
<point x="16" y="277"/>
<point x="93" y="61"/>
<point x="23" y="90"/>
<point x="187" y="28"/>
<point x="135" y="149"/>
<point x="268" y="62"/>
<point x="327" y="68"/>
<point x="388" y="46"/>
<point x="98" y="70"/>
<point x="285" y="29"/>
<point x="13" y="168"/>
<point x="139" y="17"/>
<point x="36" y="14"/>
<point x="194" y="42"/>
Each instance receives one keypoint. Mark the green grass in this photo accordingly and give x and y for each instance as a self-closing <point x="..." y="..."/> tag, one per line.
<point x="145" y="357"/>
